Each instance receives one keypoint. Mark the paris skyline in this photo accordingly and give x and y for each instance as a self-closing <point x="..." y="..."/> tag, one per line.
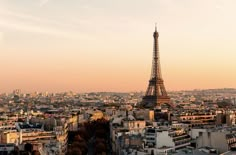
<point x="84" y="46"/>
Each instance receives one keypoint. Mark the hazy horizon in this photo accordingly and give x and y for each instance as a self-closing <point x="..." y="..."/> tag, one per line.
<point x="66" y="91"/>
<point x="97" y="46"/>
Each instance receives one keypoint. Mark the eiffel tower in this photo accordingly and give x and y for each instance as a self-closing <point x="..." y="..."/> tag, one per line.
<point x="156" y="93"/>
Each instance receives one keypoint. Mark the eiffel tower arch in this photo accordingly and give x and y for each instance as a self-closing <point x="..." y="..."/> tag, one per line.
<point x="156" y="94"/>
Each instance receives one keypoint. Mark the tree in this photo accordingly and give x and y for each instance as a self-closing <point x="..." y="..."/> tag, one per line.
<point x="78" y="138"/>
<point x="28" y="147"/>
<point x="74" y="151"/>
<point x="14" y="152"/>
<point x="82" y="145"/>
<point x="100" y="133"/>
<point x="35" y="152"/>
<point x="100" y="147"/>
<point x="100" y="140"/>
<point x="83" y="133"/>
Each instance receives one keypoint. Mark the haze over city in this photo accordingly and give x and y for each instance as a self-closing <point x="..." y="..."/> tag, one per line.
<point x="80" y="45"/>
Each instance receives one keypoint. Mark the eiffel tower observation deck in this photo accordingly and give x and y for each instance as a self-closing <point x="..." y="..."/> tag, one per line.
<point x="156" y="94"/>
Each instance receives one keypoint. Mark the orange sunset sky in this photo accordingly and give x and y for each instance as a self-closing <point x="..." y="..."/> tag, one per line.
<point x="107" y="45"/>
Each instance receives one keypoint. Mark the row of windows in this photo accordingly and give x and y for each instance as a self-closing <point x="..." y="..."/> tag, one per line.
<point x="196" y="118"/>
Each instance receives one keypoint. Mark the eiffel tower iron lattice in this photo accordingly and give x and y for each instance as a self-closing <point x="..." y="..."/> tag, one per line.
<point x="156" y="93"/>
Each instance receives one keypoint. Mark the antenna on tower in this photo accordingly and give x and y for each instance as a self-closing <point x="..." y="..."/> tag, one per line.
<point x="155" y="26"/>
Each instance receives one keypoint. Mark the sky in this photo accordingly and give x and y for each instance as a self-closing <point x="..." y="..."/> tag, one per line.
<point x="107" y="45"/>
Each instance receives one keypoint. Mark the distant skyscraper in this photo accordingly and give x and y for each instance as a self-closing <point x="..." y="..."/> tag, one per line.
<point x="156" y="93"/>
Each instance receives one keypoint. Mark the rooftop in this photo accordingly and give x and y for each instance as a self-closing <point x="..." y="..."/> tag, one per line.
<point x="229" y="153"/>
<point x="192" y="152"/>
<point x="30" y="126"/>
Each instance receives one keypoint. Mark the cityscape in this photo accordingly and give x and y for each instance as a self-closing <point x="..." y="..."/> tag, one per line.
<point x="104" y="99"/>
